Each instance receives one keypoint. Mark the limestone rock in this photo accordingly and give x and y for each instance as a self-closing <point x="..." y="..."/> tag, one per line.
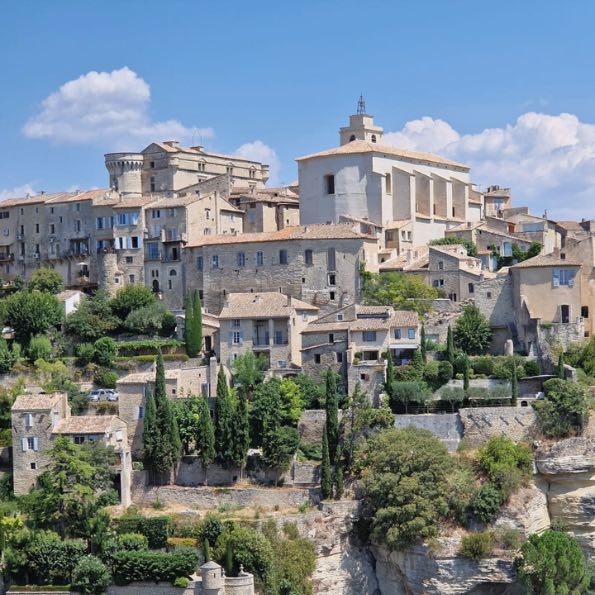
<point x="527" y="510"/>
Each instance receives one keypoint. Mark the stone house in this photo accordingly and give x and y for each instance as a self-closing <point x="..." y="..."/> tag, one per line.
<point x="535" y="229"/>
<point x="269" y="324"/>
<point x="495" y="200"/>
<point x="180" y="382"/>
<point x="353" y="340"/>
<point x="318" y="264"/>
<point x="71" y="298"/>
<point x="38" y="419"/>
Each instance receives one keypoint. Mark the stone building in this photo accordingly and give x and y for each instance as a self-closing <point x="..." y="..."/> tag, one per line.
<point x="383" y="184"/>
<point x="495" y="200"/>
<point x="319" y="264"/>
<point x="269" y="324"/>
<point x="38" y="419"/>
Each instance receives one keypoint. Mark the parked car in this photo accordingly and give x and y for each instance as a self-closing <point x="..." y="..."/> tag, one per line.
<point x="103" y="394"/>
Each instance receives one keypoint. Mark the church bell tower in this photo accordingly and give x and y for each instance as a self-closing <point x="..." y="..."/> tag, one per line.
<point x="361" y="126"/>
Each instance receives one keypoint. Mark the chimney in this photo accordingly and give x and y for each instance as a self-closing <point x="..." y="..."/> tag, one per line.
<point x="174" y="144"/>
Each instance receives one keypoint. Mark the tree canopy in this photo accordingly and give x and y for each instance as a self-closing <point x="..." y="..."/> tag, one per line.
<point x="129" y="298"/>
<point x="32" y="313"/>
<point x="472" y="332"/>
<point x="453" y="240"/>
<point x="47" y="280"/>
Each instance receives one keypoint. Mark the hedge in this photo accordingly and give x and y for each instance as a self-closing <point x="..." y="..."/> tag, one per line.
<point x="155" y="529"/>
<point x="167" y="357"/>
<point x="154" y="566"/>
<point x="149" y="346"/>
<point x="174" y="543"/>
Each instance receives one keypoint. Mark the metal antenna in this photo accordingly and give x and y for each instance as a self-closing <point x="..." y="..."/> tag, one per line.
<point x="361" y="105"/>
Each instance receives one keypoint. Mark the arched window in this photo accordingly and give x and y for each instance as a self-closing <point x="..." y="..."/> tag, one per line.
<point x="352" y="138"/>
<point x="373" y="138"/>
<point x="173" y="273"/>
<point x="155" y="286"/>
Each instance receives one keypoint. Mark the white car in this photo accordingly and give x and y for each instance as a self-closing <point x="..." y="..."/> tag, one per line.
<point x="103" y="394"/>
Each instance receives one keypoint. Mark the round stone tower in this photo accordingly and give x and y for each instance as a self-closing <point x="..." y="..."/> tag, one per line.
<point x="125" y="172"/>
<point x="213" y="582"/>
<point x="108" y="272"/>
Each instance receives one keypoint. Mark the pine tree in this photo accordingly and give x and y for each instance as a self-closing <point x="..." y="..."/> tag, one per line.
<point x="241" y="433"/>
<point x="332" y="413"/>
<point x="205" y="437"/>
<point x="514" y="385"/>
<point x="339" y="486"/>
<point x="390" y="379"/>
<point x="422" y="346"/>
<point x="466" y="374"/>
<point x="560" y="371"/>
<point x="326" y="478"/>
<point x="450" y="346"/>
<point x="224" y="409"/>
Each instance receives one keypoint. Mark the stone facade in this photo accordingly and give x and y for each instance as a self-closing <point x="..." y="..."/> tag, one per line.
<point x="481" y="423"/>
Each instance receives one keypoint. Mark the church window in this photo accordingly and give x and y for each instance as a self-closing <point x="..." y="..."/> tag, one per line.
<point x="373" y="138"/>
<point x="352" y="138"/>
<point x="388" y="184"/>
<point x="329" y="184"/>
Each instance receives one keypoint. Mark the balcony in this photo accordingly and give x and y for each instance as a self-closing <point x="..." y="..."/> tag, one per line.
<point x="5" y="257"/>
<point x="153" y="256"/>
<point x="260" y="340"/>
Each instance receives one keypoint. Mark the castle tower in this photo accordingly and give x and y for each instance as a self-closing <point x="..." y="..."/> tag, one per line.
<point x="361" y="127"/>
<point x="109" y="277"/>
<point x="125" y="172"/>
<point x="213" y="582"/>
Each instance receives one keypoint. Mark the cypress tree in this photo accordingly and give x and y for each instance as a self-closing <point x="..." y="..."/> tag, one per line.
<point x="418" y="363"/>
<point x="193" y="324"/>
<point x="332" y="413"/>
<point x="422" y="346"/>
<point x="205" y="436"/>
<point x="339" y="486"/>
<point x="466" y="374"/>
<point x="224" y="410"/>
<point x="241" y="432"/>
<point x="197" y="327"/>
<point x="206" y="550"/>
<point x="390" y="380"/>
<point x="228" y="558"/>
<point x="514" y="385"/>
<point x="326" y="479"/>
<point x="150" y="431"/>
<point x="560" y="370"/>
<point x="450" y="346"/>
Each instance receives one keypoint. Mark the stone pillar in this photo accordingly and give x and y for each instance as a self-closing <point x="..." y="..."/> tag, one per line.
<point x="271" y="332"/>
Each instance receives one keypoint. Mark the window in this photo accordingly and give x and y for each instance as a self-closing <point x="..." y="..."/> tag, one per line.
<point x="214" y="261"/>
<point x="229" y="170"/>
<point x="332" y="280"/>
<point x="236" y="337"/>
<point x="241" y="259"/>
<point x="489" y="295"/>
<point x="122" y="219"/>
<point x="134" y="242"/>
<point x="31" y="443"/>
<point x="28" y="420"/>
<point x="585" y="311"/>
<point x="331" y="261"/>
<point x="77" y="207"/>
<point x="155" y="213"/>
<point x="388" y="184"/>
<point x="141" y="412"/>
<point x="33" y="466"/>
<point x="281" y="363"/>
<point x="331" y="338"/>
<point x="169" y="284"/>
<point x="397" y="333"/>
<point x="259" y="258"/>
<point x="340" y="317"/>
<point x="37" y="228"/>
<point x="411" y="333"/>
<point x="331" y="296"/>
<point x="236" y="323"/>
<point x="154" y="273"/>
<point x="308" y="257"/>
<point x="152" y="183"/>
<point x="199" y="263"/>
<point x="563" y="277"/>
<point x="471" y="288"/>
<point x="339" y="357"/>
<point x="373" y="138"/>
<point x="152" y="164"/>
<point x="506" y="249"/>
<point x="129" y="260"/>
<point x="131" y="279"/>
<point x="317" y="358"/>
<point x="282" y="256"/>
<point x="208" y="214"/>
<point x="369" y="336"/>
<point x="207" y="231"/>
<point x="79" y="439"/>
<point x="441" y="266"/>
<point x="52" y="228"/>
<point x="329" y="184"/>
<point x="173" y="273"/>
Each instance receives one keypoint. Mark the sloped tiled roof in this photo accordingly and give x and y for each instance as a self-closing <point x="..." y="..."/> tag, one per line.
<point x="87" y="424"/>
<point x="41" y="402"/>
<point x="269" y="304"/>
<point x="547" y="260"/>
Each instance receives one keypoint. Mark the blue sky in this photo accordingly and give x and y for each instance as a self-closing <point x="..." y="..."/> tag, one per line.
<point x="485" y="83"/>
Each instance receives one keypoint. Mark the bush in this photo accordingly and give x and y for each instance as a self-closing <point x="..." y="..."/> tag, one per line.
<point x="477" y="546"/>
<point x="129" y="298"/>
<point x="52" y="560"/>
<point x="85" y="353"/>
<point x="472" y="332"/>
<point x="8" y="356"/>
<point x="508" y="538"/>
<point x="133" y="542"/>
<point x="483" y="365"/>
<point x="501" y="455"/>
<point x="154" y="566"/>
<point x="532" y="367"/>
<point x="181" y="582"/>
<point x="461" y="491"/>
<point x="47" y="280"/>
<point x="210" y="529"/>
<point x="436" y="374"/>
<point x="105" y="351"/>
<point x="486" y="503"/>
<point x="149" y="346"/>
<point x="155" y="529"/>
<point x="178" y="542"/>
<point x="150" y="319"/>
<point x="39" y="347"/>
<point x="311" y="452"/>
<point x="105" y="378"/>
<point x="168" y="324"/>
<point x="90" y="575"/>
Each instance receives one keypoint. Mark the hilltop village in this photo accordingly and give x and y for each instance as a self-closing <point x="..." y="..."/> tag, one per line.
<point x="213" y="384"/>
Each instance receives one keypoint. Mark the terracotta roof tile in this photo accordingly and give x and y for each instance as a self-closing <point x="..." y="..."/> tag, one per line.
<point x="270" y="304"/>
<point x="41" y="402"/>
<point x="87" y="424"/>
<point x="547" y="260"/>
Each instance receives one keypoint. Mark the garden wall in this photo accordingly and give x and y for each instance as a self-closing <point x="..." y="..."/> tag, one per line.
<point x="481" y="423"/>
<point x="446" y="426"/>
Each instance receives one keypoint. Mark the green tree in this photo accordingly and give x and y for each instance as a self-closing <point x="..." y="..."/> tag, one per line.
<point x="326" y="473"/>
<point x="205" y="436"/>
<point x="565" y="409"/>
<point x="466" y="374"/>
<point x="390" y="377"/>
<point x="403" y="292"/>
<point x="47" y="280"/>
<point x="332" y="413"/>
<point x="248" y="372"/>
<point x="452" y="240"/>
<point x="8" y="356"/>
<point x="92" y="319"/>
<point x="90" y="576"/>
<point x="32" y="313"/>
<point x="224" y="411"/>
<point x="241" y="433"/>
<point x="187" y="413"/>
<point x="552" y="563"/>
<point x="279" y="446"/>
<point x="450" y="346"/>
<point x="153" y="319"/>
<point x="291" y="402"/>
<point x="514" y="386"/>
<point x="406" y="485"/>
<point x="560" y="371"/>
<point x="453" y="395"/>
<point x="422" y="346"/>
<point x="338" y="476"/>
<point x="472" y="333"/>
<point x="265" y="409"/>
<point x="129" y="298"/>
<point x="193" y="324"/>
<point x="406" y="393"/>
<point x="105" y="351"/>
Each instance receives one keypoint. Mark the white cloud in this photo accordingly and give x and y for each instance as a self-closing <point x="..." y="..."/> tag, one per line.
<point x="18" y="192"/>
<point x="259" y="151"/>
<point x="107" y="108"/>
<point x="549" y="161"/>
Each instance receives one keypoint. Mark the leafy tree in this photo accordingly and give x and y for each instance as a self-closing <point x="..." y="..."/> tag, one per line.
<point x="265" y="410"/>
<point x="564" y="411"/>
<point x="406" y="393"/>
<point x="47" y="280"/>
<point x="452" y="395"/>
<point x="105" y="351"/>
<point x="291" y="403"/>
<point x="205" y="436"/>
<point x="514" y="386"/>
<point x="453" y="240"/>
<point x="193" y="324"/>
<point x="39" y="348"/>
<point x="32" y="313"/>
<point x="326" y="473"/>
<point x="403" y="292"/>
<point x="472" y="333"/>
<point x="224" y="410"/>
<point x="93" y="318"/>
<point x="311" y="392"/>
<point x="390" y="377"/>
<point x="422" y="346"/>
<point x="8" y="356"/>
<point x="405" y="485"/>
<point x="129" y="298"/>
<point x="153" y="319"/>
<point x="279" y="445"/>
<point x="560" y="371"/>
<point x="450" y="346"/>
<point x="466" y="375"/>
<point x="552" y="563"/>
<point x="241" y="432"/>
<point x="67" y="496"/>
<point x="90" y="576"/>
<point x="332" y="413"/>
<point x="248" y="372"/>
<point x="486" y="503"/>
<point x="187" y="416"/>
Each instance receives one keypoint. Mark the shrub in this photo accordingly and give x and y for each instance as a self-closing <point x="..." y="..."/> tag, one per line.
<point x="508" y="538"/>
<point x="311" y="452"/>
<point x="168" y="324"/>
<point x="477" y="545"/>
<point x="461" y="491"/>
<point x="105" y="351"/>
<point x="178" y="542"/>
<point x="501" y="455"/>
<point x="155" y="529"/>
<point x="90" y="575"/>
<point x="182" y="582"/>
<point x="532" y="367"/>
<point x="133" y="542"/>
<point x="52" y="560"/>
<point x="210" y="529"/>
<point x="85" y="353"/>
<point x="154" y="566"/>
<point x="149" y="320"/>
<point x="486" y="503"/>
<point x="47" y="280"/>
<point x="472" y="332"/>
<point x="483" y="365"/>
<point x="39" y="347"/>
<point x="105" y="378"/>
<point x="445" y="371"/>
<point x="129" y="298"/>
<point x="8" y="356"/>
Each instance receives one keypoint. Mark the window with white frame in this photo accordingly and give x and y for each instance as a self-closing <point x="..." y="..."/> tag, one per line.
<point x="236" y="323"/>
<point x="28" y="420"/>
<point x="241" y="259"/>
<point x="236" y="338"/>
<point x="215" y="261"/>
<point x="411" y="333"/>
<point x="563" y="276"/>
<point x="397" y="333"/>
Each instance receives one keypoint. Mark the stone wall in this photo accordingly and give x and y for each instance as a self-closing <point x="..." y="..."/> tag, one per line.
<point x="311" y="425"/>
<point x="446" y="426"/>
<point x="482" y="423"/>
<point x="193" y="588"/>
